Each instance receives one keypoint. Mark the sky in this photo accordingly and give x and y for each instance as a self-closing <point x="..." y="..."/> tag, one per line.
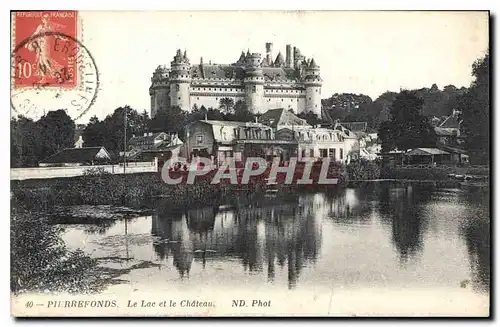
<point x="359" y="52"/>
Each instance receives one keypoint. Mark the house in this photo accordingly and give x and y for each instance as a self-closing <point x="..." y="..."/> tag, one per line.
<point x="169" y="147"/>
<point x="77" y="157"/>
<point x="148" y="141"/>
<point x="428" y="156"/>
<point x="336" y="142"/>
<point x="219" y="140"/>
<point x="448" y="132"/>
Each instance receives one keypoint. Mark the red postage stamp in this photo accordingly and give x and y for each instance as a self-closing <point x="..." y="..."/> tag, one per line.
<point x="40" y="40"/>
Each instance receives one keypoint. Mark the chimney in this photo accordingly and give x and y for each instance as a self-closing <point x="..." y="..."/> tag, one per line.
<point x="269" y="53"/>
<point x="289" y="56"/>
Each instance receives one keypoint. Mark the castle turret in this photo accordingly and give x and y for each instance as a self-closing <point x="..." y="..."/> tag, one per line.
<point x="313" y="83"/>
<point x="254" y="84"/>
<point x="159" y="90"/>
<point x="180" y="80"/>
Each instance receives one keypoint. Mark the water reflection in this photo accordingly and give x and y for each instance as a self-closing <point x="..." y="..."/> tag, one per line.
<point x="260" y="237"/>
<point x="401" y="209"/>
<point x="476" y="232"/>
<point x="379" y="235"/>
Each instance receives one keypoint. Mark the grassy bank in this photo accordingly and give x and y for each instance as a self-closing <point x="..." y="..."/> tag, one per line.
<point x="430" y="173"/>
<point x="135" y="190"/>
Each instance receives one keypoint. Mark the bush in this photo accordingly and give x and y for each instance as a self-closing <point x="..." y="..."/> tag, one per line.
<point x="40" y="262"/>
<point x="364" y="170"/>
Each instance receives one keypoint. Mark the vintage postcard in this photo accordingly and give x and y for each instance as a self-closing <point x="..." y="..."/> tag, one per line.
<point x="250" y="163"/>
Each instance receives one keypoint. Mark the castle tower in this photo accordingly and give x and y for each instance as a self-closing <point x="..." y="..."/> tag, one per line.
<point x="269" y="53"/>
<point x="180" y="81"/>
<point x="254" y="84"/>
<point x="159" y="90"/>
<point x="313" y="84"/>
<point x="289" y="56"/>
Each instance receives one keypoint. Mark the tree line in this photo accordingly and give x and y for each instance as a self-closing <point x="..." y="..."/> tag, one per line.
<point x="409" y="126"/>
<point x="402" y="119"/>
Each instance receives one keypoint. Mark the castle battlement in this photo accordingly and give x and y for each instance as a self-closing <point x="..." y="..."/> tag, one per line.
<point x="291" y="82"/>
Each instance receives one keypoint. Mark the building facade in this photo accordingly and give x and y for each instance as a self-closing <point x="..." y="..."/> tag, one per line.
<point x="293" y="82"/>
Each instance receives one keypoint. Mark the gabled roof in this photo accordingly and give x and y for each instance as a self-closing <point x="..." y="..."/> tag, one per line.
<point x="146" y="139"/>
<point x="451" y="122"/>
<point x="425" y="152"/>
<point x="275" y="117"/>
<point x="356" y="126"/>
<point x="76" y="155"/>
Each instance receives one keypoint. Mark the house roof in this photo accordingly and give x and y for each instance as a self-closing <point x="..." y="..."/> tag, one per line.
<point x="356" y="126"/>
<point x="231" y="123"/>
<point x="440" y="131"/>
<point x="425" y="152"/>
<point x="450" y="122"/>
<point x="75" y="155"/>
<point x="147" y="139"/>
<point x="275" y="117"/>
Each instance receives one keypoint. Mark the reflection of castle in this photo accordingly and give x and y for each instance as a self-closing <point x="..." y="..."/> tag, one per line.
<point x="281" y="234"/>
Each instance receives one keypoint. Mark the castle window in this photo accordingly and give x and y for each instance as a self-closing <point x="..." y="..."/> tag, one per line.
<point x="281" y="100"/>
<point x="316" y="105"/>
<point x="177" y="87"/>
<point x="204" y="89"/>
<point x="316" y="90"/>
<point x="179" y="98"/>
<point x="309" y="98"/>
<point x="254" y="89"/>
<point x="198" y="98"/>
<point x="216" y="98"/>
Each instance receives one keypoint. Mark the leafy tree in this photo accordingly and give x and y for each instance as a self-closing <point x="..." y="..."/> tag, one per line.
<point x="408" y="128"/>
<point x="310" y="117"/>
<point x="168" y="119"/>
<point x="226" y="105"/>
<point x="25" y="146"/>
<point x="94" y="133"/>
<point x="241" y="112"/>
<point x="475" y="108"/>
<point x="57" y="132"/>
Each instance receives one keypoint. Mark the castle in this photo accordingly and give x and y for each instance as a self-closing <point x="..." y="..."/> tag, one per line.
<point x="293" y="82"/>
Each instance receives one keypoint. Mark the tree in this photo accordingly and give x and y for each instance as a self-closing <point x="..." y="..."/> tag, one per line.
<point x="57" y="132"/>
<point x="25" y="146"/>
<point x="93" y="134"/>
<point x="408" y="128"/>
<point x="310" y="117"/>
<point x="475" y="108"/>
<point x="226" y="104"/>
<point x="241" y="112"/>
<point x="168" y="119"/>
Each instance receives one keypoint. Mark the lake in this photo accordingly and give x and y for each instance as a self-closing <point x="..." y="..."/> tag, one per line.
<point x="378" y="236"/>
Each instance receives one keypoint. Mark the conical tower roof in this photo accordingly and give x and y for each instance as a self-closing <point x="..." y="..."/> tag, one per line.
<point x="313" y="64"/>
<point x="280" y="61"/>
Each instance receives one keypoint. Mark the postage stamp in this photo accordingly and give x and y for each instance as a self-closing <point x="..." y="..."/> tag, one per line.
<point x="40" y="59"/>
<point x="51" y="68"/>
